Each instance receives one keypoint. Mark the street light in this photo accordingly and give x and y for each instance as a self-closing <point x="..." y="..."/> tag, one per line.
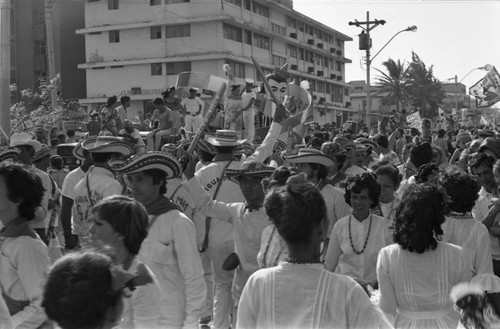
<point x="365" y="44"/>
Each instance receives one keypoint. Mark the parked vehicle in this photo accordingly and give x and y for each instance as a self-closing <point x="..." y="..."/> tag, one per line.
<point x="66" y="152"/>
<point x="79" y="128"/>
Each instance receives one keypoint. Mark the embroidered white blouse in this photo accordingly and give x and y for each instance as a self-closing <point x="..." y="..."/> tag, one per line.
<point x="305" y="296"/>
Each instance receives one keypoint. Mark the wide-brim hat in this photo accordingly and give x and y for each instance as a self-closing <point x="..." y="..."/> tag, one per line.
<point x="107" y="144"/>
<point x="7" y="153"/>
<point x="310" y="155"/>
<point x="332" y="149"/>
<point x="250" y="168"/>
<point x="244" y="148"/>
<point x="492" y="144"/>
<point x="224" y="138"/>
<point x="464" y="136"/>
<point x="149" y="160"/>
<point x="203" y="145"/>
<point x="279" y="146"/>
<point x="345" y="142"/>
<point x="44" y="152"/>
<point x="20" y="139"/>
<point x="78" y="150"/>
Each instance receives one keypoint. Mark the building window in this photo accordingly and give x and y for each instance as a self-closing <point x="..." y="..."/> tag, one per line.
<point x="154" y="2"/>
<point x="301" y="53"/>
<point x="38" y="17"/>
<point x="113" y="4"/>
<point x="319" y="34"/>
<point x="175" y="1"/>
<point x="320" y="86"/>
<point x="234" y="2"/>
<point x="339" y="43"/>
<point x="337" y="94"/>
<point x="292" y="51"/>
<point x="319" y="60"/>
<point x="40" y="48"/>
<point x="248" y="37"/>
<point x="155" y="32"/>
<point x="260" y="9"/>
<point x="278" y="29"/>
<point x="309" y="29"/>
<point x="309" y="56"/>
<point x="232" y="32"/>
<point x="114" y="36"/>
<point x="331" y="63"/>
<point x="261" y="41"/>
<point x="248" y="4"/>
<point x="291" y="22"/>
<point x="339" y="66"/>
<point x="175" y="68"/>
<point x="156" y="69"/>
<point x="178" y="31"/>
<point x="279" y="61"/>
<point x="331" y="39"/>
<point x="237" y="69"/>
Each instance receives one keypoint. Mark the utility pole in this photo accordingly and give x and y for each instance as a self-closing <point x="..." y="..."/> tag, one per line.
<point x="365" y="43"/>
<point x="456" y="92"/>
<point x="50" y="51"/>
<point x="5" y="66"/>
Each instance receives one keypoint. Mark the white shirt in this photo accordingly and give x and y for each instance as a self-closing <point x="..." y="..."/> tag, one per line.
<point x="142" y="308"/>
<point x="102" y="183"/>
<point x="417" y="286"/>
<point x="305" y="296"/>
<point x="192" y="105"/>
<point x="247" y="97"/>
<point x="23" y="267"/>
<point x="39" y="222"/>
<point x="479" y="212"/>
<point x="170" y="251"/>
<point x="473" y="237"/>
<point x="336" y="206"/>
<point x="340" y="256"/>
<point x="70" y="181"/>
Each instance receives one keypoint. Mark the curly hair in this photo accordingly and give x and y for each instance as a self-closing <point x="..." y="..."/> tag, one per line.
<point x="78" y="292"/>
<point x="419" y="217"/>
<point x="478" y="159"/>
<point x="421" y="154"/>
<point x="462" y="188"/>
<point x="295" y="209"/>
<point x="357" y="183"/>
<point x="127" y="217"/>
<point x="425" y="171"/>
<point x="278" y="178"/>
<point x="23" y="186"/>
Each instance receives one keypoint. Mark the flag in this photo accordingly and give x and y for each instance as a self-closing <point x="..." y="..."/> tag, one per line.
<point x="487" y="90"/>
<point x="414" y="120"/>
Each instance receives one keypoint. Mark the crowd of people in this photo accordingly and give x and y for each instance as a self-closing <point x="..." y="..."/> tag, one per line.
<point x="352" y="229"/>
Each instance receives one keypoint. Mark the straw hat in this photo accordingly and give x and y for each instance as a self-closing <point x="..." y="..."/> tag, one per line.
<point x="7" y="153"/>
<point x="250" y="168"/>
<point x="20" y="139"/>
<point x="149" y="160"/>
<point x="224" y="138"/>
<point x="310" y="155"/>
<point x="107" y="144"/>
<point x="44" y="152"/>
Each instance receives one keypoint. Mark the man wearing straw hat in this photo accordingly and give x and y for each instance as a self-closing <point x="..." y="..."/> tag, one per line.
<point x="218" y="239"/>
<point x="170" y="247"/>
<point x="99" y="181"/>
<point x="68" y="193"/>
<point x="315" y="163"/>
<point x="28" y="147"/>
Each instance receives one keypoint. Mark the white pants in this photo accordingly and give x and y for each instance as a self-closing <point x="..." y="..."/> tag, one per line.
<point x="193" y="122"/>
<point x="249" y="122"/>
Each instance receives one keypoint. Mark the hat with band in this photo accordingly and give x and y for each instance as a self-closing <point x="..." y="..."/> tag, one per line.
<point x="224" y="138"/>
<point x="8" y="154"/>
<point x="250" y="168"/>
<point x="310" y="155"/>
<point x="107" y="144"/>
<point x="149" y="160"/>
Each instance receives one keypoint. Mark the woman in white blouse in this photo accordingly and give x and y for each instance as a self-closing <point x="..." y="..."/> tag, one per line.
<point x="300" y="293"/>
<point x="356" y="239"/>
<point x="121" y="223"/>
<point x="23" y="255"/>
<point x="417" y="273"/>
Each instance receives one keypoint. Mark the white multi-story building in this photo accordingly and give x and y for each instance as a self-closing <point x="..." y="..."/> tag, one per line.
<point x="137" y="48"/>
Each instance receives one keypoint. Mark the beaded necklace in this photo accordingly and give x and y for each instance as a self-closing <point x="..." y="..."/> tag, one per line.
<point x="305" y="260"/>
<point x="367" y="235"/>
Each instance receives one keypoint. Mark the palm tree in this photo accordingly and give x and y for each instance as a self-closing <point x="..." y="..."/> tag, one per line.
<point x="393" y="86"/>
<point x="424" y="89"/>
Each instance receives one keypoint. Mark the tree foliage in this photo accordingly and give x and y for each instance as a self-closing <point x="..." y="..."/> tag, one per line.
<point x="35" y="108"/>
<point x="413" y="85"/>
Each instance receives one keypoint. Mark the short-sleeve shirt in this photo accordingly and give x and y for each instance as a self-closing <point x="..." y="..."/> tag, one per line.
<point x="192" y="105"/>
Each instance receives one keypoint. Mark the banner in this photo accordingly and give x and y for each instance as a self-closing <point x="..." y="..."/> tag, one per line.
<point x="487" y="90"/>
<point x="414" y="120"/>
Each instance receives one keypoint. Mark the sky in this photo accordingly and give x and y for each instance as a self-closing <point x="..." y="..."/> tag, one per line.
<point x="453" y="36"/>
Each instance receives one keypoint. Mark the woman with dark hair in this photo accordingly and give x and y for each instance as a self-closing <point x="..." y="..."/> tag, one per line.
<point x="388" y="177"/>
<point x="427" y="173"/>
<point x="110" y="123"/>
<point x="23" y="255"/>
<point x="272" y="247"/>
<point x="286" y="296"/>
<point x="120" y="223"/>
<point x="416" y="274"/>
<point x="460" y="227"/>
<point x="86" y="290"/>
<point x="356" y="239"/>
